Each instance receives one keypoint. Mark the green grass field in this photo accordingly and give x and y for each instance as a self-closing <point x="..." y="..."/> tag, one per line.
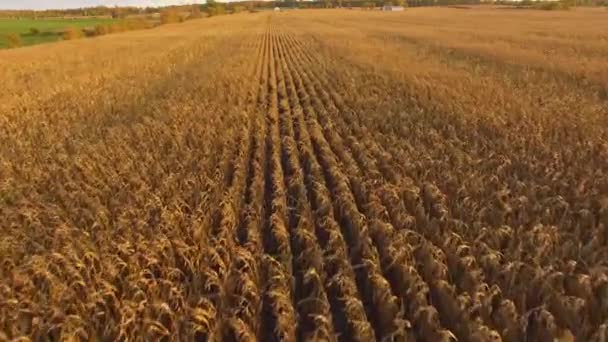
<point x="50" y="29"/>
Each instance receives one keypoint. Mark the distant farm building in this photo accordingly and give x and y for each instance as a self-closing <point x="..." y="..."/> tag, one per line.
<point x="393" y="8"/>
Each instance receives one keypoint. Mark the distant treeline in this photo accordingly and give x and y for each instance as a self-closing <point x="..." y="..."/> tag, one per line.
<point x="100" y="11"/>
<point x="416" y="3"/>
<point x="534" y="3"/>
<point x="103" y="11"/>
<point x="259" y="5"/>
<point x="212" y="7"/>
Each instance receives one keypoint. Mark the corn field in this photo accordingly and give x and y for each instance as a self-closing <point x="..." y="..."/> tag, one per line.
<point x="309" y="176"/>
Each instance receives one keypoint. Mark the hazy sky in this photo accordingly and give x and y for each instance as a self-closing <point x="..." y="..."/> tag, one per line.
<point x="46" y="4"/>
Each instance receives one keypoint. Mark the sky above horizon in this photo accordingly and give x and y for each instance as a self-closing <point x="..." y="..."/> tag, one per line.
<point x="61" y="4"/>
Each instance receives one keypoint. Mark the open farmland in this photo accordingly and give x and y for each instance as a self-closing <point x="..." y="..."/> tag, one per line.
<point x="45" y="30"/>
<point x="333" y="175"/>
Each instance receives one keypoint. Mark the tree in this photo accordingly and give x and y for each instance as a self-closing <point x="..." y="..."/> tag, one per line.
<point x="195" y="12"/>
<point x="72" y="33"/>
<point x="238" y="9"/>
<point x="117" y="12"/>
<point x="102" y="29"/>
<point x="214" y="8"/>
<point x="566" y="4"/>
<point x="169" y="16"/>
<point x="14" y="40"/>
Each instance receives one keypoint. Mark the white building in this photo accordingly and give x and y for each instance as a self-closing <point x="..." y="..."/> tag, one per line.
<point x="393" y="8"/>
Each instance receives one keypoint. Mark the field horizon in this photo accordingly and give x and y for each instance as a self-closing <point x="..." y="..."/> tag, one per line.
<point x="437" y="174"/>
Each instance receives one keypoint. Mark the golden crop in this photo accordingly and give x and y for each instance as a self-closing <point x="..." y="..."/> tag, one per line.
<point x="334" y="175"/>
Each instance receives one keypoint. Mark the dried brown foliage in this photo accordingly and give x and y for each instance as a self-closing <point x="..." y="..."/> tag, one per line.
<point x="228" y="180"/>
